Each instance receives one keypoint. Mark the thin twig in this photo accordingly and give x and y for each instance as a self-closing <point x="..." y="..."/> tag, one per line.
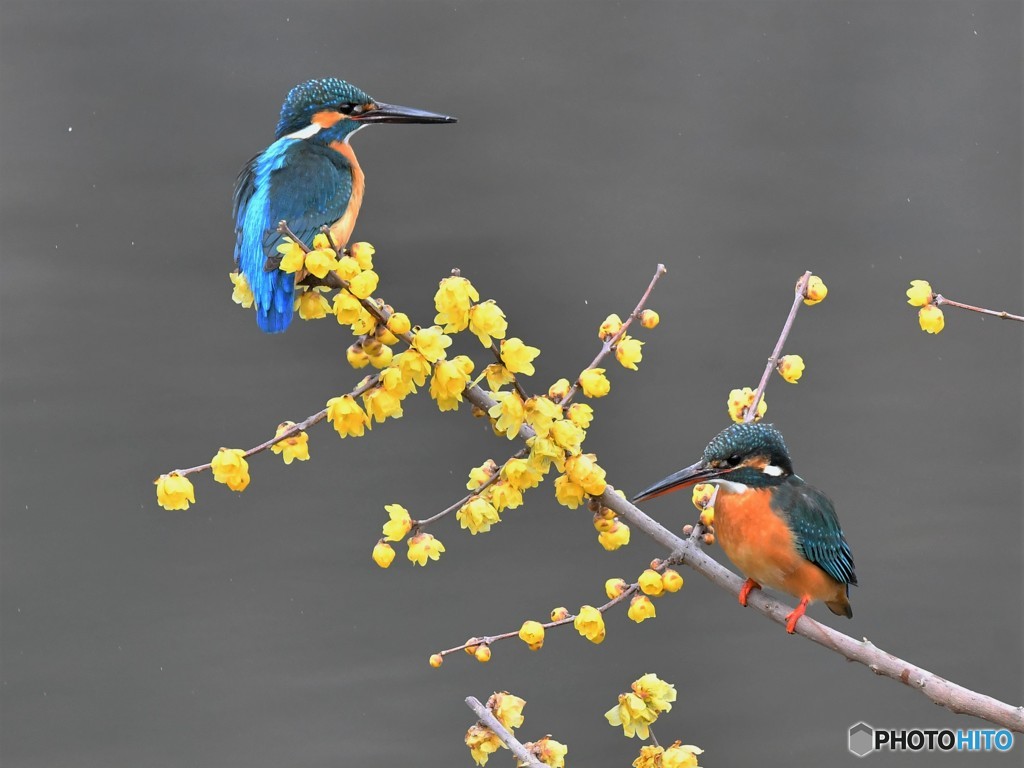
<point x="801" y="294"/>
<point x="938" y="299"/>
<point x="417" y="524"/>
<point x="609" y="344"/>
<point x="523" y="755"/>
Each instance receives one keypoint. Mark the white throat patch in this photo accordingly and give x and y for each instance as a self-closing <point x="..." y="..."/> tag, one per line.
<point x="729" y="485"/>
<point x="310" y="130"/>
<point x="773" y="470"/>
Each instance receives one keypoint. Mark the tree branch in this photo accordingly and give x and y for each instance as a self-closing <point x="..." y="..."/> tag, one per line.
<point x="515" y="746"/>
<point x="938" y="299"/>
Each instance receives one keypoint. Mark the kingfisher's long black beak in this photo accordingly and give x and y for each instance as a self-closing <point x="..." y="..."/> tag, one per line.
<point x="691" y="475"/>
<point x="392" y="113"/>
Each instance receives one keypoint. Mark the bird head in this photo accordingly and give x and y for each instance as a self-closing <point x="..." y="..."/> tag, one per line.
<point x="333" y="109"/>
<point x="753" y="455"/>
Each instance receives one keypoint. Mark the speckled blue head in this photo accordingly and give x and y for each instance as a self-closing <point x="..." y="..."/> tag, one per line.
<point x="741" y="441"/>
<point x="312" y="96"/>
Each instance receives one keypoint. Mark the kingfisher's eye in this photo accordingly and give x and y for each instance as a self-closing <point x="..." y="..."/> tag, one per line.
<point x="734" y="460"/>
<point x="346" y="108"/>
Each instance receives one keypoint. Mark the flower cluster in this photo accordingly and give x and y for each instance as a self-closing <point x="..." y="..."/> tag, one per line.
<point x="508" y="710"/>
<point x="929" y="316"/>
<point x="740" y="401"/>
<point x="679" y="755"/>
<point x="639" y="707"/>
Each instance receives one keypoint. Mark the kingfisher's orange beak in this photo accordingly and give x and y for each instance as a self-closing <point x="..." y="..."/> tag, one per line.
<point x="691" y="475"/>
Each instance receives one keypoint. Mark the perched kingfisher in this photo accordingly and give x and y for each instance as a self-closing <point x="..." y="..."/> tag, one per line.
<point x="778" y="530"/>
<point x="308" y="177"/>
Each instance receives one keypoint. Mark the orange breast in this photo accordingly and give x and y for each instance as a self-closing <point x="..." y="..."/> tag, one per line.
<point x="761" y="545"/>
<point x="341" y="230"/>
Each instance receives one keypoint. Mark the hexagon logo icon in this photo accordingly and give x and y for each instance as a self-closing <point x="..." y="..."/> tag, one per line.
<point x="861" y="739"/>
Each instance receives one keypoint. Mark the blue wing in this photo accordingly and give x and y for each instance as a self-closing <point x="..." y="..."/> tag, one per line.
<point x="812" y="519"/>
<point x="308" y="185"/>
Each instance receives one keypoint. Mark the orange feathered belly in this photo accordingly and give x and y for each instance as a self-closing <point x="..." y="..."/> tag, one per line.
<point x="341" y="230"/>
<point x="761" y="545"/>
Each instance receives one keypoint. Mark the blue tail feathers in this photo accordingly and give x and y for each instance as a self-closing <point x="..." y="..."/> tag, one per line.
<point x="274" y="307"/>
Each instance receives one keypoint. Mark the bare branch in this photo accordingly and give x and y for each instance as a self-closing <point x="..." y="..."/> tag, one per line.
<point x="938" y="299"/>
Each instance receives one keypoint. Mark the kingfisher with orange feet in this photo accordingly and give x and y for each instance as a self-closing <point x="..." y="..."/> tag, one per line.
<point x="778" y="530"/>
<point x="310" y="178"/>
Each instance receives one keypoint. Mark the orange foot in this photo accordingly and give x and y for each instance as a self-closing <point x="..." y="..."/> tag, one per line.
<point x="748" y="585"/>
<point x="794" y="616"/>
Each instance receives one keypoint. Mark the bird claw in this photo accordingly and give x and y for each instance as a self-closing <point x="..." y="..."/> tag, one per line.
<point x="745" y="590"/>
<point x="794" y="616"/>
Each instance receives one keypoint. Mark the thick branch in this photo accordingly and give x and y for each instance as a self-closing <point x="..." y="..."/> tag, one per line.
<point x="487" y="718"/>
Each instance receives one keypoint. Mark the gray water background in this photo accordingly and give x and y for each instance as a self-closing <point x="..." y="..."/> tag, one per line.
<point x="739" y="143"/>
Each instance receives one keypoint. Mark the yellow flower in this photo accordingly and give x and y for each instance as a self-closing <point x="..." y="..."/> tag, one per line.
<point x="383" y="554"/>
<point x="649" y="319"/>
<point x="483" y="653"/>
<point x="628" y="352"/>
<point x="292" y="256"/>
<point x="609" y="327"/>
<point x="532" y="633"/>
<point x="321" y="240"/>
<point x="541" y="412"/>
<point x="504" y="495"/>
<point x="633" y="715"/>
<point x="497" y="376"/>
<point x="544" y="453"/>
<point x="346" y="308"/>
<point x="568" y="493"/>
<point x="291" y="448"/>
<point x="508" y="413"/>
<point x="174" y="491"/>
<point x="560" y="613"/>
<point x="590" y="623"/>
<point x="585" y="471"/>
<point x="517" y="356"/>
<point x="364" y="284"/>
<point x="347" y="268"/>
<point x="615" y="537"/>
<point x="615" y="587"/>
<point x="436" y="660"/>
<point x="431" y="343"/>
<point x="671" y="580"/>
<point x="650" y="583"/>
<point x="357" y="356"/>
<point x="346" y="416"/>
<point x="816" y="291"/>
<point x="423" y="546"/>
<point x="399" y="323"/>
<point x="931" y="319"/>
<point x="321" y="261"/>
<point x="478" y="515"/>
<point x="650" y="757"/>
<point x="580" y="414"/>
<point x="919" y="293"/>
<point x="567" y="435"/>
<point x="791" y="368"/>
<point x="740" y="400"/>
<point x="242" y="293"/>
<point x="380" y="404"/>
<point x="559" y="390"/>
<point x="487" y="320"/>
<point x="312" y="305"/>
<point x="603" y="522"/>
<point x="521" y="474"/>
<point x="641" y="608"/>
<point x="400" y="522"/>
<point x="382" y="358"/>
<point x="482" y="743"/>
<point x="594" y="383"/>
<point x="453" y="299"/>
<point x="364" y="324"/>
<point x="548" y="751"/>
<point x="413" y="367"/>
<point x="655" y="692"/>
<point x="447" y="384"/>
<point x="508" y="709"/>
<point x="681" y="756"/>
<point x="480" y="475"/>
<point x="363" y="254"/>
<point x="703" y="493"/>
<point x="230" y="467"/>
<point x="707" y="516"/>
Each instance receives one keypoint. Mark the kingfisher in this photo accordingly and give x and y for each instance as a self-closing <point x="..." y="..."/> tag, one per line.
<point x="310" y="178"/>
<point x="778" y="530"/>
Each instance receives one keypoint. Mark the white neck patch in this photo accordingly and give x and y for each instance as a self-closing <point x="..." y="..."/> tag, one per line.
<point x="773" y="470"/>
<point x="310" y="130"/>
<point x="729" y="485"/>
